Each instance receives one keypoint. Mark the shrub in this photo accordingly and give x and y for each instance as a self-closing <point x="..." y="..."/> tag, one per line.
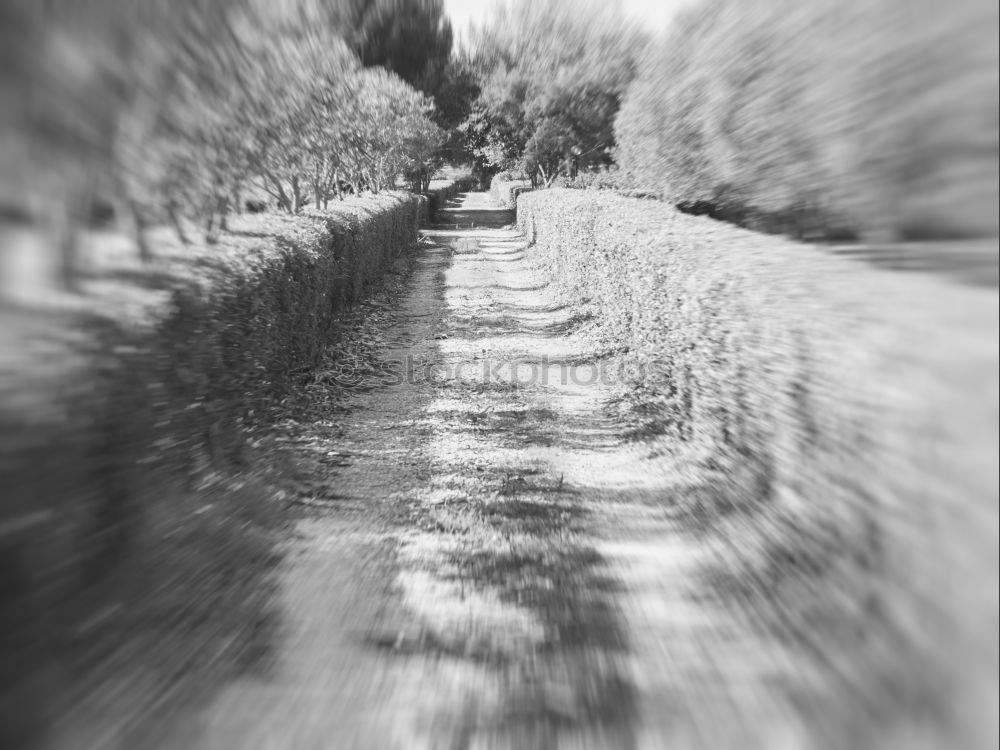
<point x="107" y="475"/>
<point x="553" y="73"/>
<point x="441" y="191"/>
<point x="812" y="117"/>
<point x="505" y="187"/>
<point x="606" y="178"/>
<point x="841" y="440"/>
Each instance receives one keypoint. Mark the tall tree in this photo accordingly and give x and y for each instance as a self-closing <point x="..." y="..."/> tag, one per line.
<point x="553" y="72"/>
<point x="411" y="38"/>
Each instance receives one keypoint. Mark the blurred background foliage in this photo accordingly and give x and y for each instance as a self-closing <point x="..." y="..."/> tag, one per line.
<point x="871" y="119"/>
<point x="551" y="76"/>
<point x="174" y="110"/>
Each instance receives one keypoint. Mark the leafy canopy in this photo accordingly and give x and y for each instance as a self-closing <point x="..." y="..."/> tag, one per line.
<point x="552" y="75"/>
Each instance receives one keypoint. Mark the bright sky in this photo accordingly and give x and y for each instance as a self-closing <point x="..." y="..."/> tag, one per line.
<point x="654" y="14"/>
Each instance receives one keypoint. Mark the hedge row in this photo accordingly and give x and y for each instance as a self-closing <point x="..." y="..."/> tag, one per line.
<point x="504" y="188"/>
<point x="828" y="118"/>
<point x="157" y="409"/>
<point x="842" y="421"/>
<point x="440" y="192"/>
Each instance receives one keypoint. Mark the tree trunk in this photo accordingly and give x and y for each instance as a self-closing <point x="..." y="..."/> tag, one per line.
<point x="277" y="190"/>
<point x="318" y="192"/>
<point x="223" y="217"/>
<point x="175" y="222"/>
<point x="211" y="235"/>
<point x="139" y="227"/>
<point x="65" y="236"/>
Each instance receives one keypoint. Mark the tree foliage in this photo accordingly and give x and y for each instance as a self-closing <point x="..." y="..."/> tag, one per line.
<point x="181" y="106"/>
<point x="411" y="38"/>
<point x="552" y="75"/>
<point x="877" y="116"/>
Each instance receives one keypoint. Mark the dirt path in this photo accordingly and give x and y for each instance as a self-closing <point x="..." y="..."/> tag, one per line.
<point x="489" y="563"/>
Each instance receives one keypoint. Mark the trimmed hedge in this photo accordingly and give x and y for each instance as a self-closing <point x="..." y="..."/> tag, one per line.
<point x="505" y="188"/>
<point x="258" y="325"/>
<point x="442" y="191"/>
<point x="842" y="421"/>
<point x="153" y="411"/>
